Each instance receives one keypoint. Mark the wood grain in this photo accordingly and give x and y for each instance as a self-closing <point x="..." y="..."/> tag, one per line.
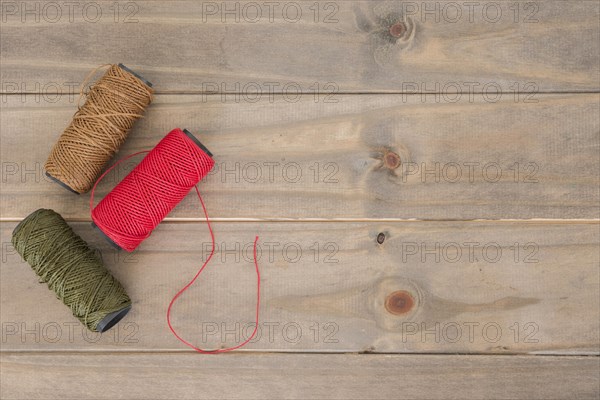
<point x="299" y="376"/>
<point x="524" y="287"/>
<point x="359" y="157"/>
<point x="183" y="46"/>
<point x="278" y="160"/>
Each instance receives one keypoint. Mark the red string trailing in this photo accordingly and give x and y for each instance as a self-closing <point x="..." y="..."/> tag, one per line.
<point x="212" y="251"/>
<point x="131" y="211"/>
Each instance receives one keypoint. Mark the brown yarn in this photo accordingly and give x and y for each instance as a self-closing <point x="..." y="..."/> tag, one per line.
<point x="98" y="128"/>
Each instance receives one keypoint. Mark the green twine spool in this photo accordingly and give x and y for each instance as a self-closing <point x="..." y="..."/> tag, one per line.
<point x="71" y="269"/>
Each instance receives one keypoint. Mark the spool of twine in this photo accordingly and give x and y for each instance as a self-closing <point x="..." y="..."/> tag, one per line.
<point x="130" y="212"/>
<point x="72" y="270"/>
<point x="98" y="128"/>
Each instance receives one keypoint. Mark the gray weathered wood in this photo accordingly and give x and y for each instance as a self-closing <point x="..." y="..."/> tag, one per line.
<point x="327" y="160"/>
<point x="184" y="46"/>
<point x="540" y="295"/>
<point x="327" y="284"/>
<point x="298" y="376"/>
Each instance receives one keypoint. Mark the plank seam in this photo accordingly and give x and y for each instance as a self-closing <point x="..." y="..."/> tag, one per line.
<point x="283" y="352"/>
<point x="588" y="221"/>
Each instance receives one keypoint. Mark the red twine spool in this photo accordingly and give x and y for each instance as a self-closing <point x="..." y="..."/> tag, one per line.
<point x="131" y="211"/>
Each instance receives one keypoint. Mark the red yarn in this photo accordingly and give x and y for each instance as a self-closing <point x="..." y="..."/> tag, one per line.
<point x="131" y="211"/>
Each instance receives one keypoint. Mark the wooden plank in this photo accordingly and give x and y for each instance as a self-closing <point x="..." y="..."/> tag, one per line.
<point x="187" y="46"/>
<point x="464" y="160"/>
<point x="504" y="287"/>
<point x="298" y="376"/>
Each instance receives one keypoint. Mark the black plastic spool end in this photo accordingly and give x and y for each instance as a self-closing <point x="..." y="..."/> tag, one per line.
<point x="70" y="189"/>
<point x="141" y="78"/>
<point x="197" y="142"/>
<point x="112" y="319"/>
<point x="109" y="240"/>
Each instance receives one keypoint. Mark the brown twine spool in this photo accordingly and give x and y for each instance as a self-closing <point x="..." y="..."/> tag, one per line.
<point x="98" y="128"/>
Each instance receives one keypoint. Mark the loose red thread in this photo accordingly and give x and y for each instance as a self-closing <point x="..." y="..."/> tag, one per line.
<point x="131" y="211"/>
<point x="212" y="251"/>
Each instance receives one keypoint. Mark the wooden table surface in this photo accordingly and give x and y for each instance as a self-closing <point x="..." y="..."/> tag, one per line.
<point x="423" y="176"/>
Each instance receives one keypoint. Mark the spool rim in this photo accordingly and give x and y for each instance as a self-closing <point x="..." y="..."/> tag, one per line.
<point x="61" y="183"/>
<point x="108" y="239"/>
<point x="112" y="319"/>
<point x="132" y="72"/>
<point x="197" y="142"/>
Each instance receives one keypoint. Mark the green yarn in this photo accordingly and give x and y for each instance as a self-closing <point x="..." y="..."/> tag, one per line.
<point x="71" y="269"/>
